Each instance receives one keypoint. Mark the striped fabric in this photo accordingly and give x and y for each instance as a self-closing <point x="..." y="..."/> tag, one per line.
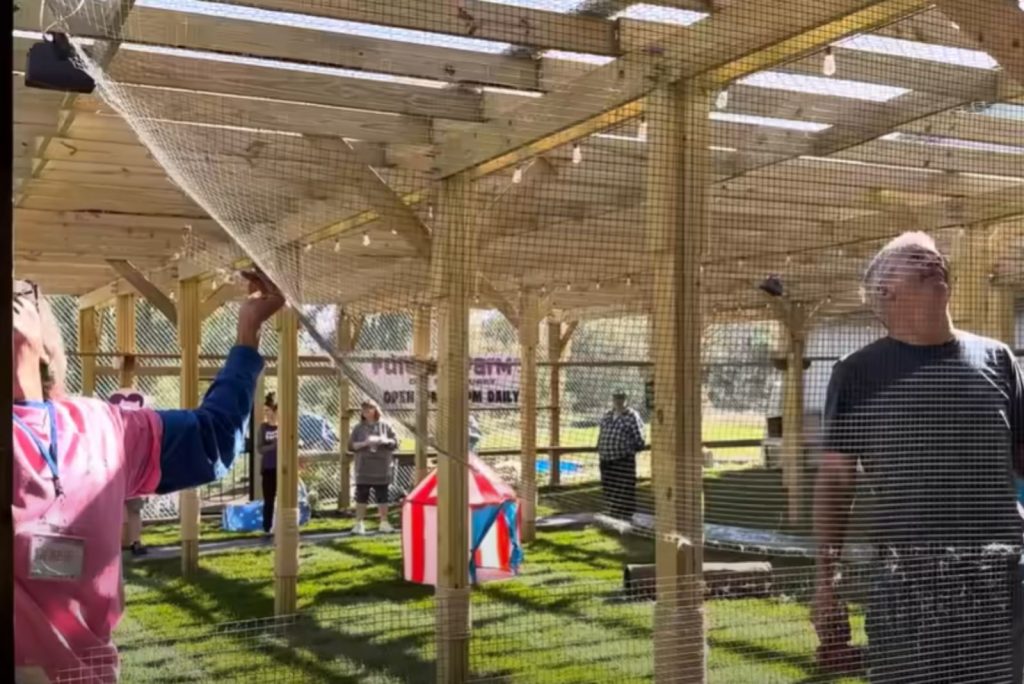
<point x="494" y="552"/>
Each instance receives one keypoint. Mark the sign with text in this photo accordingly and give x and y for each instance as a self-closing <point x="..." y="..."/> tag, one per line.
<point x="493" y="382"/>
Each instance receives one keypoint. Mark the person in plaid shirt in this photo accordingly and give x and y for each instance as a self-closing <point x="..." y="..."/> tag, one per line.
<point x="621" y="436"/>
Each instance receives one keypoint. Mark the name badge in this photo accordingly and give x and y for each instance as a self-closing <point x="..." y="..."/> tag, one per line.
<point x="55" y="557"/>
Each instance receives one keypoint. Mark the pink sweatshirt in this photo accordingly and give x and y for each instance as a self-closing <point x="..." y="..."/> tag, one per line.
<point x="67" y="549"/>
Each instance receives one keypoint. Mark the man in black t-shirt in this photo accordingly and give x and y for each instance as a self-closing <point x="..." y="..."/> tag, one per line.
<point x="924" y="426"/>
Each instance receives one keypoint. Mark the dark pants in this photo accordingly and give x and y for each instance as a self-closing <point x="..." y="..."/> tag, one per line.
<point x="269" y="495"/>
<point x="618" y="486"/>
<point x="946" y="620"/>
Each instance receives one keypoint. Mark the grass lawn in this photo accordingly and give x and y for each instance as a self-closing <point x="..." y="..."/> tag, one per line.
<point x="560" y="621"/>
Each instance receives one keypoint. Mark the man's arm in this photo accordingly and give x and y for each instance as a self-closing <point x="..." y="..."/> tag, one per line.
<point x="833" y="493"/>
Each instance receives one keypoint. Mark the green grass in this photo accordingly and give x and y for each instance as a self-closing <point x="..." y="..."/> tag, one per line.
<point x="169" y="534"/>
<point x="362" y="622"/>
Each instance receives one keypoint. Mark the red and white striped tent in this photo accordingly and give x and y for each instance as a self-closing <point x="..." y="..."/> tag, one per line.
<point x="494" y="549"/>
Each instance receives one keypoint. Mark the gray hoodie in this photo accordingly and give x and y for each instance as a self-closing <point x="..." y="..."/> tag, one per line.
<point x="374" y="465"/>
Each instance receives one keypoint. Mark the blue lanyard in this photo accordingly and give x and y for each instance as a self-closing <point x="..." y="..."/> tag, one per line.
<point x="49" y="454"/>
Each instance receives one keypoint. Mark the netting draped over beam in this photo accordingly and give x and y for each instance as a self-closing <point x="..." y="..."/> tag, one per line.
<point x="622" y="251"/>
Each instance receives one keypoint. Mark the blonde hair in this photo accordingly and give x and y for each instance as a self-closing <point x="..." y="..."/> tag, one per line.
<point x="54" y="364"/>
<point x="884" y="265"/>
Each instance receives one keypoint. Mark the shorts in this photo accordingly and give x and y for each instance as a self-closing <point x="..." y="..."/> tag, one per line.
<point x="380" y="493"/>
<point x="135" y="505"/>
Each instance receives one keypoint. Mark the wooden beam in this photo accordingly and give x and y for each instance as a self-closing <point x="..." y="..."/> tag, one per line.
<point x="555" y="350"/>
<point x="794" y="327"/>
<point x="721" y="49"/>
<point x="529" y="323"/>
<point x="286" y="529"/>
<point x="189" y="339"/>
<point x="1002" y="301"/>
<point x="347" y="338"/>
<point x="234" y="36"/>
<point x="145" y="287"/>
<point x="124" y="321"/>
<point x="227" y="78"/>
<point x="451" y="286"/>
<point x="678" y="183"/>
<point x="996" y="25"/>
<point x="218" y="298"/>
<point x="88" y="343"/>
<point x="468" y="18"/>
<point x="421" y="336"/>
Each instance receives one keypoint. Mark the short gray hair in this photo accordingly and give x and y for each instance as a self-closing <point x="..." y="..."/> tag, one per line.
<point x="883" y="265"/>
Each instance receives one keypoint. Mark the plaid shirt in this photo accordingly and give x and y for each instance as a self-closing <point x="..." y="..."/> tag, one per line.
<point x="622" y="435"/>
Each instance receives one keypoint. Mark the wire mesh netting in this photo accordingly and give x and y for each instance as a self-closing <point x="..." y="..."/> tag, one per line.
<point x="723" y="293"/>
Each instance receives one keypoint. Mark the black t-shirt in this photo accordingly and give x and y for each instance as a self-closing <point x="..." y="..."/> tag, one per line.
<point x="935" y="430"/>
<point x="268" y="438"/>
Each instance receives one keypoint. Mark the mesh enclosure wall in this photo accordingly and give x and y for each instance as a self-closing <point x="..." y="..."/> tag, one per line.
<point x="725" y="292"/>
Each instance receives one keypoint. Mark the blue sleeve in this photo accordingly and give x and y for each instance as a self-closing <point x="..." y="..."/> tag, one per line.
<point x="199" y="446"/>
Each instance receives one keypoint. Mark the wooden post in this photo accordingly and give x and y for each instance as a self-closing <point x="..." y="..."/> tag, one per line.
<point x="88" y="343"/>
<point x="555" y="401"/>
<point x="189" y="340"/>
<point x="286" y="528"/>
<point x="421" y="350"/>
<point x="451" y="282"/>
<point x="970" y="270"/>
<point x="678" y="178"/>
<point x="257" y="442"/>
<point x="345" y="343"/>
<point x="794" y="331"/>
<point x="529" y="320"/>
<point x="126" y="337"/>
<point x="1002" y="299"/>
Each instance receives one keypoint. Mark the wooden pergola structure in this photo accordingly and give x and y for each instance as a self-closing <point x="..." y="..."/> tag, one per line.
<point x="716" y="203"/>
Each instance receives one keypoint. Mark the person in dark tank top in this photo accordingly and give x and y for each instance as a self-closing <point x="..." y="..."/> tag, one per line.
<point x="268" y="459"/>
<point x="923" y="437"/>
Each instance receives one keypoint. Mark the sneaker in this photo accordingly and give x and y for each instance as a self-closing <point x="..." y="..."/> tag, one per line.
<point x="139" y="550"/>
<point x="385" y="527"/>
<point x="360" y="528"/>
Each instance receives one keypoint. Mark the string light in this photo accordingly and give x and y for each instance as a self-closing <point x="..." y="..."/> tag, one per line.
<point x="597" y="284"/>
<point x="722" y="101"/>
<point x="394" y="231"/>
<point x="956" y="26"/>
<point x="308" y="247"/>
<point x="629" y="281"/>
<point x="641" y="131"/>
<point x="517" y="175"/>
<point x="366" y="239"/>
<point x="430" y="211"/>
<point x="337" y="246"/>
<point x="568" y="287"/>
<point x="577" y="153"/>
<point x="828" y="65"/>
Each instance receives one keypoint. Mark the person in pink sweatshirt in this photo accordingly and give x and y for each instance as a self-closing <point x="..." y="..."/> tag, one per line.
<point x="76" y="462"/>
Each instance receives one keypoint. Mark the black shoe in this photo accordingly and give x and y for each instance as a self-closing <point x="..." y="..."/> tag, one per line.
<point x="139" y="550"/>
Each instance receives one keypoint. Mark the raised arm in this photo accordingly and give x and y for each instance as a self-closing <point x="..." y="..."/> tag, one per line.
<point x="198" y="446"/>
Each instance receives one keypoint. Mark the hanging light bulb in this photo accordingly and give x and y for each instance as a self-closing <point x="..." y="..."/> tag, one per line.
<point x="629" y="281"/>
<point x="577" y="153"/>
<point x="430" y="211"/>
<point x="828" y="65"/>
<point x="722" y="101"/>
<point x="641" y="131"/>
<point x="366" y="239"/>
<point x="597" y="284"/>
<point x="956" y="26"/>
<point x="517" y="175"/>
<point x="394" y="231"/>
<point x="568" y="287"/>
<point x="308" y="247"/>
<point x="337" y="245"/>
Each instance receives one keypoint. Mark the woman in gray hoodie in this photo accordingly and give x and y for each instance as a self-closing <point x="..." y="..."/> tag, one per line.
<point x="374" y="442"/>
